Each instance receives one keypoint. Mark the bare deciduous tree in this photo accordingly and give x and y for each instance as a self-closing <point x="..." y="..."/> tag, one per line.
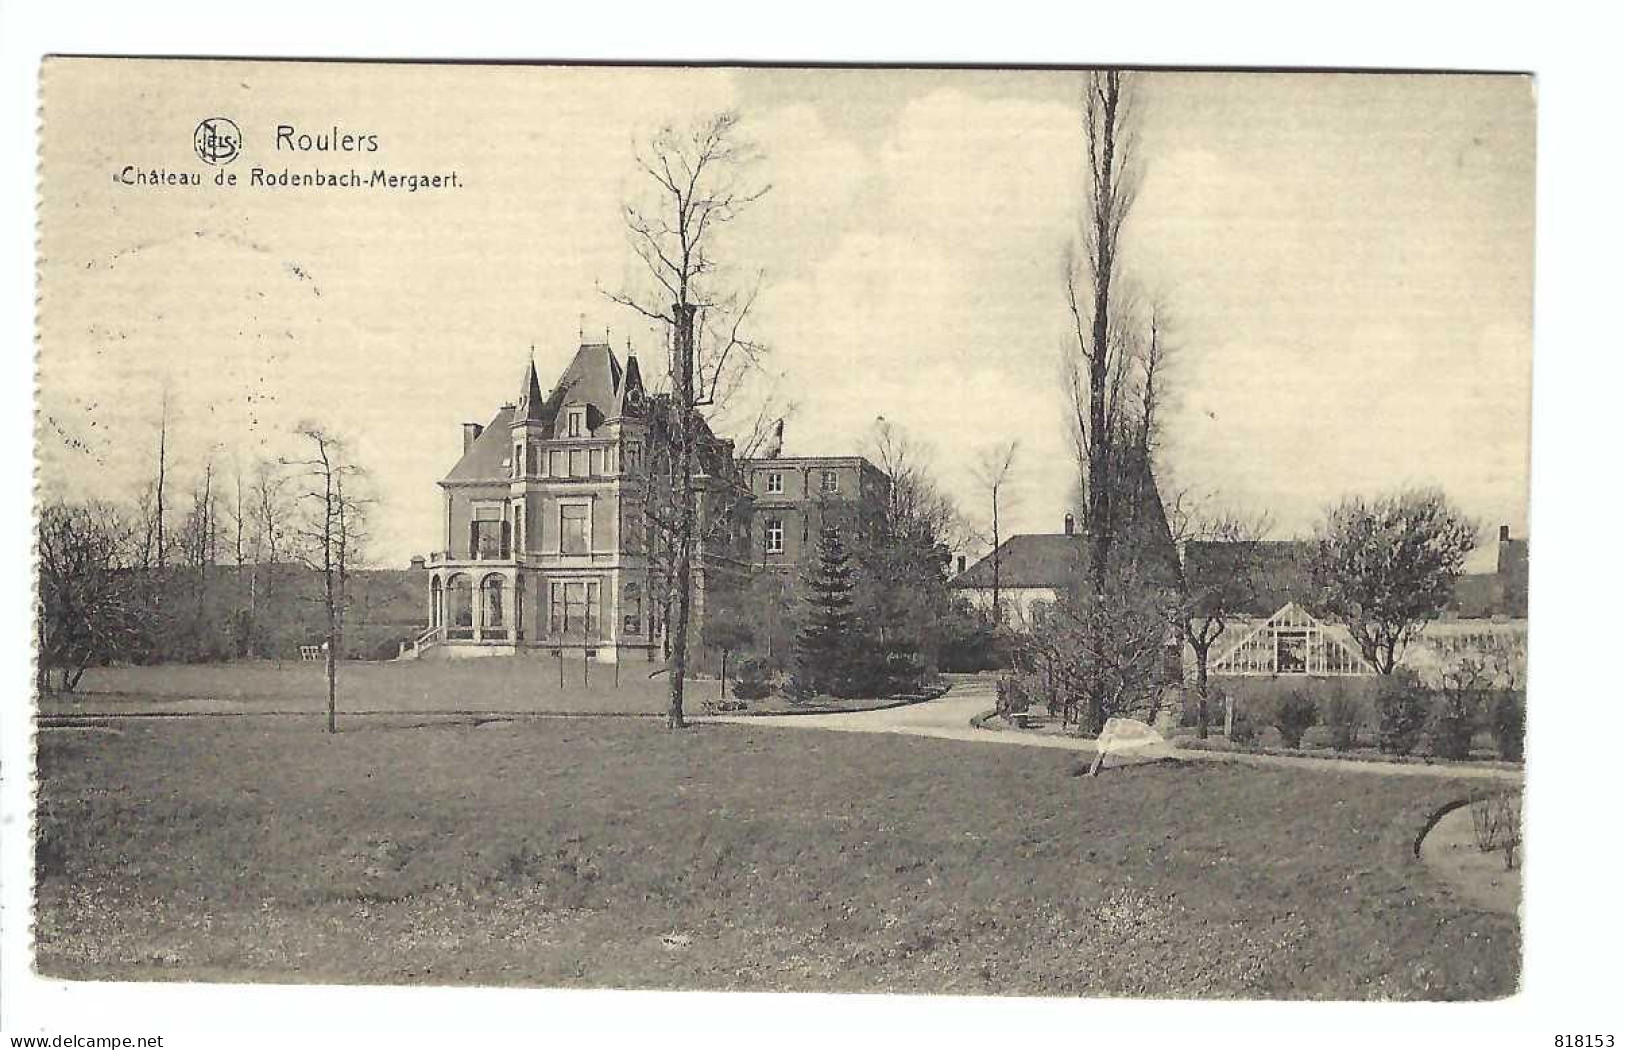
<point x="915" y="503"/>
<point x="1104" y="326"/>
<point x="992" y="471"/>
<point x="701" y="178"/>
<point x="91" y="603"/>
<point x="1214" y="589"/>
<point x="1116" y="352"/>
<point x="162" y="550"/>
<point x="269" y="514"/>
<point x="329" y="535"/>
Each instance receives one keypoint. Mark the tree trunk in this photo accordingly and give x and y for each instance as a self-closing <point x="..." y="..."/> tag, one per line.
<point x="42" y="672"/>
<point x="332" y="658"/>
<point x="330" y="597"/>
<point x="677" y="637"/>
<point x="332" y="683"/>
<point x="163" y="442"/>
<point x="1201" y="691"/>
<point x="998" y="617"/>
<point x="1100" y="442"/>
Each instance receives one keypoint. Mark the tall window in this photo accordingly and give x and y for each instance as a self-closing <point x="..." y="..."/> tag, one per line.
<point x="517" y="466"/>
<point x="491" y="603"/>
<point x="775" y="536"/>
<point x="573" y="529"/>
<point x="632" y="608"/>
<point x="460" y="602"/>
<point x="533" y="458"/>
<point x="829" y="481"/>
<point x="578" y="463"/>
<point x="595" y="463"/>
<point x="519" y="527"/>
<point x="487" y="533"/>
<point x="634" y="457"/>
<point x="775" y="482"/>
<point x="576" y="421"/>
<point x="573" y="609"/>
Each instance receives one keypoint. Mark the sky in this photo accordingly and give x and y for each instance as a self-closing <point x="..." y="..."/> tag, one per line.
<point x="1345" y="262"/>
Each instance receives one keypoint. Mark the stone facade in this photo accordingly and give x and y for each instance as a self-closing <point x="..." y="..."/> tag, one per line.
<point x="545" y="543"/>
<point x="794" y="497"/>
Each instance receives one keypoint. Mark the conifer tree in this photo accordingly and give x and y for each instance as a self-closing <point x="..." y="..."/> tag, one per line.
<point x="828" y="635"/>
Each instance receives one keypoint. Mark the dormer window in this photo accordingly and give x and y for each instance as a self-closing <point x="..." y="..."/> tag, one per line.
<point x="575" y="422"/>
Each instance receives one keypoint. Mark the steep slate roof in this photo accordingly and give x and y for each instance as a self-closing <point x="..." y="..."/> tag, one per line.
<point x="531" y="403"/>
<point x="1479" y="594"/>
<point x="1060" y="560"/>
<point x="632" y="385"/>
<point x="593" y="377"/>
<point x="1281" y="571"/>
<point x="483" y="460"/>
<point x="1030" y="561"/>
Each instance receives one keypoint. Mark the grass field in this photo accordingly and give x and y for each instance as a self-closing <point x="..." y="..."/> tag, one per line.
<point x="609" y="852"/>
<point x="493" y="684"/>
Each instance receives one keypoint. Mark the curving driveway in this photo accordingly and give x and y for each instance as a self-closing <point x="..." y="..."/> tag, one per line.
<point x="948" y="718"/>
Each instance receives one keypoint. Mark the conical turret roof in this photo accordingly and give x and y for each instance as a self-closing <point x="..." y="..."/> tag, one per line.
<point x="532" y="406"/>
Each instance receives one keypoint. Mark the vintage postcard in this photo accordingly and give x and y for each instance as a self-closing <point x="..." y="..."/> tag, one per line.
<point x="1029" y="532"/>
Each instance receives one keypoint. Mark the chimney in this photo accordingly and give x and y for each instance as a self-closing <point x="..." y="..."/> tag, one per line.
<point x="1071" y="526"/>
<point x="961" y="565"/>
<point x="417" y="562"/>
<point x="471" y="434"/>
<point x="1506" y="533"/>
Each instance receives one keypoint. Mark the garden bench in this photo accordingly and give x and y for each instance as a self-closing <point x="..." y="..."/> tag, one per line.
<point x="310" y="653"/>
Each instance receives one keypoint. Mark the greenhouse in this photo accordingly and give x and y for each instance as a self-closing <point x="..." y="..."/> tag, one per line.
<point x="1293" y="643"/>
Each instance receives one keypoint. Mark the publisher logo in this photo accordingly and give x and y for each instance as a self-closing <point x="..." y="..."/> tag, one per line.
<point x="217" y="141"/>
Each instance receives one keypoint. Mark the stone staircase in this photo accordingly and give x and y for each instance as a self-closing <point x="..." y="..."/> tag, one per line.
<point x="422" y="644"/>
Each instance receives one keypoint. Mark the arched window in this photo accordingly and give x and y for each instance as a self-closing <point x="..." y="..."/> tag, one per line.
<point x="436" y="598"/>
<point x="460" y="604"/>
<point x="491" y="602"/>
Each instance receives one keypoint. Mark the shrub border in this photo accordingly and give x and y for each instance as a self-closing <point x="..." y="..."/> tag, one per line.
<point x="895" y="702"/>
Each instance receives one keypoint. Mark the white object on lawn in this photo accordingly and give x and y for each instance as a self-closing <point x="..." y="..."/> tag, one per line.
<point x="1123" y="734"/>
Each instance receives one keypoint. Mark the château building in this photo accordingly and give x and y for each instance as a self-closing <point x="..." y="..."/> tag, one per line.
<point x="547" y="542"/>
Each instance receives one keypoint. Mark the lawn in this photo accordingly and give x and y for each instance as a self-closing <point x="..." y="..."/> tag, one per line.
<point x="609" y="852"/>
<point x="507" y="685"/>
<point x="501" y="684"/>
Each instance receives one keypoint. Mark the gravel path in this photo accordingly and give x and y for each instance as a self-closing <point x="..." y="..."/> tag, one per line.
<point x="949" y="718"/>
